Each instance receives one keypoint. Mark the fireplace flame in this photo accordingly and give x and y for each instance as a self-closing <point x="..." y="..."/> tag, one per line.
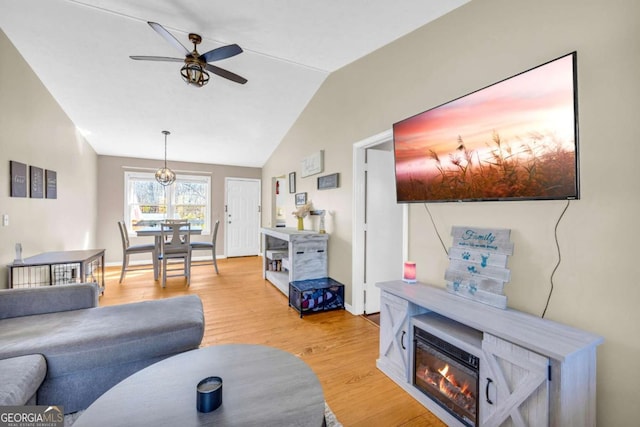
<point x="465" y="389"/>
<point x="450" y="387"/>
<point x="447" y="384"/>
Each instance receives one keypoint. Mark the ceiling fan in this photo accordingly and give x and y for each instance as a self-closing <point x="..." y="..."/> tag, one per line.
<point x="195" y="67"/>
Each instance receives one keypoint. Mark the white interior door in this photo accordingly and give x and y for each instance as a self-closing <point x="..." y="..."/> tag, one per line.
<point x="383" y="225"/>
<point x="242" y="217"/>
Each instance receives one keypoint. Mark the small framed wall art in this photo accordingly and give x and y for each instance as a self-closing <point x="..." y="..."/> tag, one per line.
<point x="329" y="181"/>
<point x="312" y="164"/>
<point x="36" y="182"/>
<point x="301" y="199"/>
<point x="292" y="182"/>
<point x="18" y="177"/>
<point x="51" y="180"/>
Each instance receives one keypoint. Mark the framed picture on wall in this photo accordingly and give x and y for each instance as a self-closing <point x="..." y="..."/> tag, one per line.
<point x="312" y="164"/>
<point x="36" y="182"/>
<point x="292" y="182"/>
<point x="329" y="181"/>
<point x="18" y="175"/>
<point x="51" y="180"/>
<point x="301" y="199"/>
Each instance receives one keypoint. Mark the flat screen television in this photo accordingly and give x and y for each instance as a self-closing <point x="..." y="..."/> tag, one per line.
<point x="514" y="140"/>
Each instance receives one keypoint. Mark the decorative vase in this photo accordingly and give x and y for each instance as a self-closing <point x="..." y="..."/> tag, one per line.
<point x="300" y="223"/>
<point x="18" y="259"/>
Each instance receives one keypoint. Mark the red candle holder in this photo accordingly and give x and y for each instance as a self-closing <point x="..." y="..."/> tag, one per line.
<point x="409" y="272"/>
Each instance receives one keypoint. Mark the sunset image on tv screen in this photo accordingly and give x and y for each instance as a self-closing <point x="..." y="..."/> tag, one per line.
<point x="513" y="140"/>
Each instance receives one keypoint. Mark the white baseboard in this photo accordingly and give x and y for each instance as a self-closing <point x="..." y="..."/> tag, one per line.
<point x="349" y="308"/>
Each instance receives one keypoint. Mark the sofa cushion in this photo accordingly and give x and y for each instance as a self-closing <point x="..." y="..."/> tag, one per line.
<point x="47" y="299"/>
<point x="21" y="377"/>
<point x="78" y="340"/>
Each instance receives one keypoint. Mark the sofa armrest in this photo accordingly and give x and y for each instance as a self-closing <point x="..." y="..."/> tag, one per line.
<point x="47" y="299"/>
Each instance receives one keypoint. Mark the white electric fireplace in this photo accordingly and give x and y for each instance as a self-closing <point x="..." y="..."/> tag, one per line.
<point x="476" y="365"/>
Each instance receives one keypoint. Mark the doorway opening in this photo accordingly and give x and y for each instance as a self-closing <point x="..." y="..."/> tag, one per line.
<point x="380" y="240"/>
<point x="279" y="192"/>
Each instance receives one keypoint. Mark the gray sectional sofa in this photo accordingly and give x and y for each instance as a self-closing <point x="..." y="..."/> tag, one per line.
<point x="57" y="347"/>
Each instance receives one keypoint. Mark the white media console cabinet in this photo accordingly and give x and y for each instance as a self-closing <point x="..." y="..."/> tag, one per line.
<point x="533" y="372"/>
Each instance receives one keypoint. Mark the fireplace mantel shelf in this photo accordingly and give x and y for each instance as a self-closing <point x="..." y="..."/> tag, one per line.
<point x="546" y="337"/>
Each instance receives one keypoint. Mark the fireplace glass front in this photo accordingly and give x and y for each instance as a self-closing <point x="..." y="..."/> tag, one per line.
<point x="446" y="374"/>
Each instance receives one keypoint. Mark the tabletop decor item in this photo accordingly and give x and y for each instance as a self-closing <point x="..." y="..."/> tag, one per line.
<point x="209" y="394"/>
<point x="478" y="264"/>
<point x="321" y="227"/>
<point x="302" y="212"/>
<point x="18" y="259"/>
<point x="409" y="272"/>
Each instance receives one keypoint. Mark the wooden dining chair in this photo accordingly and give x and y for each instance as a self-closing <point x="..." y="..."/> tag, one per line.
<point x="129" y="249"/>
<point x="210" y="246"/>
<point x="175" y="221"/>
<point x="175" y="245"/>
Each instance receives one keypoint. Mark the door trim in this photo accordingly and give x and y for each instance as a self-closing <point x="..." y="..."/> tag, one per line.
<point x="357" y="239"/>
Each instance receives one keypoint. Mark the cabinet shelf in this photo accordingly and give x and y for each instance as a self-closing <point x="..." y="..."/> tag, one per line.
<point x="280" y="279"/>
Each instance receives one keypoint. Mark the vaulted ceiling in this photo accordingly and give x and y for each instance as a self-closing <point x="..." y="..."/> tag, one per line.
<point x="80" y="51"/>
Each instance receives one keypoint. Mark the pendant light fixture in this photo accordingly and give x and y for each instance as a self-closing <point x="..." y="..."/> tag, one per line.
<point x="165" y="176"/>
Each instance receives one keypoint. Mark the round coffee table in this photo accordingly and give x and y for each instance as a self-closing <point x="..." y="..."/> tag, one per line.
<point x="262" y="386"/>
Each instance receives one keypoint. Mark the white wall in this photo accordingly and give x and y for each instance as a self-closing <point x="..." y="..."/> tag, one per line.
<point x="34" y="130"/>
<point x="596" y="286"/>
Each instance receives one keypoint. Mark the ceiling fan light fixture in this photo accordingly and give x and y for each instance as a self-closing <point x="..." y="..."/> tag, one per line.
<point x="165" y="176"/>
<point x="194" y="74"/>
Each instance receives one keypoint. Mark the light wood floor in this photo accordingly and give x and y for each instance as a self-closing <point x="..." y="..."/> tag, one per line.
<point x="241" y="307"/>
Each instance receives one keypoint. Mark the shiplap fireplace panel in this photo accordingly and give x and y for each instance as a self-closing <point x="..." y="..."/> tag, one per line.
<point x="533" y="372"/>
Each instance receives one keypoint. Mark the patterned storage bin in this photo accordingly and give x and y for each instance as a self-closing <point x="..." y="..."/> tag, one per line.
<point x="316" y="295"/>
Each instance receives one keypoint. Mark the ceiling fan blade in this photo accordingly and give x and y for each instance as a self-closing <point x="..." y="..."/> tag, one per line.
<point x="226" y="74"/>
<point x="169" y="37"/>
<point x="157" y="58"/>
<point x="221" y="53"/>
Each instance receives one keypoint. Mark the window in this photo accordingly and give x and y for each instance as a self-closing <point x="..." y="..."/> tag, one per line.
<point x="147" y="203"/>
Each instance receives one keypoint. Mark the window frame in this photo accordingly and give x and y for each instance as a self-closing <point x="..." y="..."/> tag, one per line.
<point x="170" y="191"/>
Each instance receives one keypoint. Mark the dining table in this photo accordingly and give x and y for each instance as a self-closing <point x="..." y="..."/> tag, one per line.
<point x="156" y="233"/>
